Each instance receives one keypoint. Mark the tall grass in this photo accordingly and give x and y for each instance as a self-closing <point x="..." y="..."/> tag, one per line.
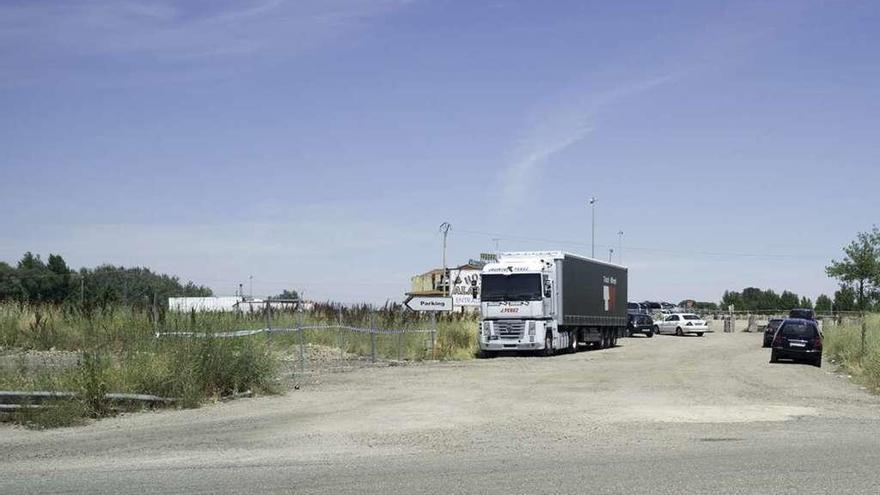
<point x="843" y="343"/>
<point x="117" y="349"/>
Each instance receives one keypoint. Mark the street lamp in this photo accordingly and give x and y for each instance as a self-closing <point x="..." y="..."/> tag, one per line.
<point x="593" y="202"/>
<point x="620" y="246"/>
<point x="610" y="254"/>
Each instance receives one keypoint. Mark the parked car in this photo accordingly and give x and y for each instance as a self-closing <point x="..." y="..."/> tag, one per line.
<point x="770" y="330"/>
<point x="640" y="323"/>
<point x="798" y="339"/>
<point x="632" y="307"/>
<point x="805" y="313"/>
<point x="681" y="324"/>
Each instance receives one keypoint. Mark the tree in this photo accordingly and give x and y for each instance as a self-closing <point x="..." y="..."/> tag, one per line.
<point x="860" y="267"/>
<point x="58" y="283"/>
<point x="10" y="284"/>
<point x="845" y="298"/>
<point x="35" y="277"/>
<point x="806" y="302"/>
<point x="788" y="300"/>
<point x="288" y="294"/>
<point x="823" y="303"/>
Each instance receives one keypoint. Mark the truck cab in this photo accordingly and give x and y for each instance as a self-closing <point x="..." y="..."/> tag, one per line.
<point x="516" y="300"/>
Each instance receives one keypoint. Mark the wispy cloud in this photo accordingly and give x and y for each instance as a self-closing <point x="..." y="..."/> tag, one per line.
<point x="570" y="118"/>
<point x="176" y="36"/>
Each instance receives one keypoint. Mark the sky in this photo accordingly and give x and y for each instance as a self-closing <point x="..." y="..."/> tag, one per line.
<point x="318" y="145"/>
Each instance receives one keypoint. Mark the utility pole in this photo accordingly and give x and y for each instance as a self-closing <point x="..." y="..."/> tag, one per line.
<point x="251" y="278"/>
<point x="444" y="230"/>
<point x="620" y="246"/>
<point x="593" y="202"/>
<point x="610" y="254"/>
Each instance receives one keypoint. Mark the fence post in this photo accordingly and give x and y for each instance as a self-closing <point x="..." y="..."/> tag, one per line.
<point x="864" y="331"/>
<point x="302" y="354"/>
<point x="399" y="344"/>
<point x="268" y="319"/>
<point x="372" y="337"/>
<point x="433" y="332"/>
<point x="339" y="335"/>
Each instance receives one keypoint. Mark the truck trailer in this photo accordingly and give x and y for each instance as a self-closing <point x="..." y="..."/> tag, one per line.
<point x="548" y="301"/>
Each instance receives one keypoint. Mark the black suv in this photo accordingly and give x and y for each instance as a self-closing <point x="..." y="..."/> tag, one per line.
<point x="798" y="339"/>
<point x="805" y="313"/>
<point x="639" y="323"/>
<point x="770" y="330"/>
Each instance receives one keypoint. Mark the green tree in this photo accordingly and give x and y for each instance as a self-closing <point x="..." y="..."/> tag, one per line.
<point x="788" y="300"/>
<point x="58" y="280"/>
<point x="860" y="267"/>
<point x="823" y="303"/>
<point x="10" y="284"/>
<point x="845" y="298"/>
<point x="35" y="277"/>
<point x="806" y="302"/>
<point x="288" y="294"/>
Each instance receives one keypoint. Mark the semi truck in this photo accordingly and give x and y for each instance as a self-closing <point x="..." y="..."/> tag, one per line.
<point x="548" y="301"/>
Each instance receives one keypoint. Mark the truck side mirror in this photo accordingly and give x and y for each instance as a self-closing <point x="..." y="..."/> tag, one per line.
<point x="548" y="290"/>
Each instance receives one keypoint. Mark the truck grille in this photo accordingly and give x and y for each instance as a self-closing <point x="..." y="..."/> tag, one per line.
<point x="509" y="329"/>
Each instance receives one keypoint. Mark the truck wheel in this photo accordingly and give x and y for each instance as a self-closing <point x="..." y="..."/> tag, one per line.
<point x="548" y="345"/>
<point x="573" y="345"/>
<point x="487" y="354"/>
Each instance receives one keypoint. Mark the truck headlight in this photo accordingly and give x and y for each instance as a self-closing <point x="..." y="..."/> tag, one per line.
<point x="487" y="328"/>
<point x="531" y="328"/>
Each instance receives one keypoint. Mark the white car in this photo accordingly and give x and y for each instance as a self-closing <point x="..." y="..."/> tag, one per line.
<point x="681" y="324"/>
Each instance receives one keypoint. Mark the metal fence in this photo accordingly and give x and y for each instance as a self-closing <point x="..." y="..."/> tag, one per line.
<point x="308" y="347"/>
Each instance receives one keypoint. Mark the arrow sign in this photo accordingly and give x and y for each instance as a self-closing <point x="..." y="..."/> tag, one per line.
<point x="424" y="303"/>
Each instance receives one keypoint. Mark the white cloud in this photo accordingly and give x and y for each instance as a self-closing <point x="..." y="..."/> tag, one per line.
<point x="560" y="124"/>
<point x="140" y="37"/>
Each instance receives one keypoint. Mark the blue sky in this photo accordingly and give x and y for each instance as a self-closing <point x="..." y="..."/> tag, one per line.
<point x="319" y="144"/>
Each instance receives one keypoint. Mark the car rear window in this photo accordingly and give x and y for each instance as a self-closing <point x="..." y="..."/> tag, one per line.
<point x="795" y="330"/>
<point x="691" y="317"/>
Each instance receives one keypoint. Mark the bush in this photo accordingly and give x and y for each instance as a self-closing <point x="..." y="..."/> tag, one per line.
<point x="844" y="344"/>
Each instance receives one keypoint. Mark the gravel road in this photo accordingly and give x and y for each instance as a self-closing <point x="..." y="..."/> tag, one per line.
<point x="662" y="415"/>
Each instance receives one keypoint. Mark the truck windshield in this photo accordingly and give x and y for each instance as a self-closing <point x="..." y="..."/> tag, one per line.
<point x="519" y="287"/>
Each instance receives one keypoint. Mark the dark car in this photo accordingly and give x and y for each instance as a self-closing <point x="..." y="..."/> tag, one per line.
<point x="770" y="330"/>
<point x="798" y="339"/>
<point x="805" y="313"/>
<point x="639" y="323"/>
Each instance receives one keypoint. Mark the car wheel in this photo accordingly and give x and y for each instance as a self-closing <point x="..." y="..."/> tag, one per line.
<point x="699" y="334"/>
<point x="773" y="357"/>
<point x="818" y="362"/>
<point x="679" y="332"/>
<point x="765" y="344"/>
<point x="649" y="333"/>
<point x="656" y="329"/>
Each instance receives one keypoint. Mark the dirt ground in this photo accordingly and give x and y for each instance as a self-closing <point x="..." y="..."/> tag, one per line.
<point x="509" y="424"/>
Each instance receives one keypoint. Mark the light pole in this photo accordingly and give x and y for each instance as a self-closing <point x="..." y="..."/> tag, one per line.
<point x="610" y="254"/>
<point x="444" y="230"/>
<point x="620" y="246"/>
<point x="593" y="202"/>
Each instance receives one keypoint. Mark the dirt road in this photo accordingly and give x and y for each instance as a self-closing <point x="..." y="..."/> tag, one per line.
<point x="662" y="415"/>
